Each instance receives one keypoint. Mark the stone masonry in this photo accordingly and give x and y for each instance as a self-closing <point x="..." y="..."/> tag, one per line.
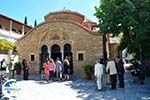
<point x="61" y="31"/>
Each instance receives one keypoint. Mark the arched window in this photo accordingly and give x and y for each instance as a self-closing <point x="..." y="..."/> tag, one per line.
<point x="44" y="49"/>
<point x="55" y="48"/>
<point x="67" y="48"/>
<point x="44" y="53"/>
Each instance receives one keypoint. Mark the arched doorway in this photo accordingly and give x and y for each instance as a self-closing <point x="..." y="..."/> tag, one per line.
<point x="44" y="54"/>
<point x="55" y="52"/>
<point x="68" y="53"/>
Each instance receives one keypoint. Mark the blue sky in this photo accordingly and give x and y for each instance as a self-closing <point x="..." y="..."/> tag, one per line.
<point x="37" y="9"/>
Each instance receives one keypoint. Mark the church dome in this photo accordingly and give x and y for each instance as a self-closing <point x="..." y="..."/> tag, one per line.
<point x="65" y="14"/>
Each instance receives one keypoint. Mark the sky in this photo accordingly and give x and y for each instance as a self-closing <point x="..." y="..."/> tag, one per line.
<point x="37" y="9"/>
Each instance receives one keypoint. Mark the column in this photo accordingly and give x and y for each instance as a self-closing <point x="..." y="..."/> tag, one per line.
<point x="10" y="26"/>
<point x="22" y="29"/>
<point x="62" y="55"/>
<point x="49" y="54"/>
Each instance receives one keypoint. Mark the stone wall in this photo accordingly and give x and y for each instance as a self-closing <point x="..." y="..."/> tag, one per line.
<point x="81" y="40"/>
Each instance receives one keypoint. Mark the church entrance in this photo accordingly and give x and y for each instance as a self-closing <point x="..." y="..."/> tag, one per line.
<point x="44" y="54"/>
<point x="55" y="52"/>
<point x="68" y="53"/>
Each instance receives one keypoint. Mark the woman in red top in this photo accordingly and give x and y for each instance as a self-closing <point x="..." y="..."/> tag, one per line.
<point x="46" y="69"/>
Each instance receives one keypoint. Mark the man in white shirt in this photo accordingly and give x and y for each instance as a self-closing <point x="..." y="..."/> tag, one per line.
<point x="11" y="69"/>
<point x="58" y="69"/>
<point x="112" y="71"/>
<point x="98" y="73"/>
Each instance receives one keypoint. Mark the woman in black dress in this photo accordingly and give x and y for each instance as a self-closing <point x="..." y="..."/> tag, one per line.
<point x="25" y="69"/>
<point x="66" y="69"/>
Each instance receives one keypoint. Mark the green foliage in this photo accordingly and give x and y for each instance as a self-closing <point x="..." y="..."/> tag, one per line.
<point x="88" y="68"/>
<point x="6" y="45"/>
<point x="130" y="17"/>
<point x="18" y="66"/>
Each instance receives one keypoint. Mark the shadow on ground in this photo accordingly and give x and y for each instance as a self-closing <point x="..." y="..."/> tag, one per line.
<point x="86" y="89"/>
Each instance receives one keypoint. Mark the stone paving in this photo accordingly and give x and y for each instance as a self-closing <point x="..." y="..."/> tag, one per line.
<point x="79" y="89"/>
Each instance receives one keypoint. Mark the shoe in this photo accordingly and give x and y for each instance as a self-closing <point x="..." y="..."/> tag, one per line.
<point x="121" y="86"/>
<point x="99" y="89"/>
<point x="112" y="88"/>
<point x="142" y="83"/>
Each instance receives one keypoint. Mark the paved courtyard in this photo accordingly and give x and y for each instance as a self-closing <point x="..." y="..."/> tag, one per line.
<point x="79" y="89"/>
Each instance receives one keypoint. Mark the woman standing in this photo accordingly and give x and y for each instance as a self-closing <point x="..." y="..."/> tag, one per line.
<point x="46" y="68"/>
<point x="66" y="69"/>
<point x="25" y="69"/>
<point x="52" y="69"/>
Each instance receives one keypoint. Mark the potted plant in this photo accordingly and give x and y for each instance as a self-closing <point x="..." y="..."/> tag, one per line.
<point x="89" y="71"/>
<point x="18" y="68"/>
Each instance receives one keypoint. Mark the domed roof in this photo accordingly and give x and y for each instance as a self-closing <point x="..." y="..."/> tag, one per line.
<point x="65" y="14"/>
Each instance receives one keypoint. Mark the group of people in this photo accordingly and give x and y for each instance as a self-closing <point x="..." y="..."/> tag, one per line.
<point x="115" y="69"/>
<point x="52" y="70"/>
<point x="137" y="71"/>
<point x="56" y="70"/>
<point x="8" y="67"/>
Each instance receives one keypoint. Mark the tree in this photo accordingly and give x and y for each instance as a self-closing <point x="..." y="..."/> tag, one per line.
<point x="6" y="45"/>
<point x="25" y="20"/>
<point x="35" y="23"/>
<point x="130" y="17"/>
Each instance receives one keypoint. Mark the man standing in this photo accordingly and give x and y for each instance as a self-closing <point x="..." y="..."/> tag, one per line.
<point x="11" y="69"/>
<point x="141" y="72"/>
<point x="120" y="71"/>
<point x="58" y="69"/>
<point x="111" y="69"/>
<point x="98" y="72"/>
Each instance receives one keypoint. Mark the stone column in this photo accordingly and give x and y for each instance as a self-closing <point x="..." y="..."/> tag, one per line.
<point x="10" y="26"/>
<point x="10" y="64"/>
<point x="62" y="55"/>
<point x="22" y="29"/>
<point x="49" y="54"/>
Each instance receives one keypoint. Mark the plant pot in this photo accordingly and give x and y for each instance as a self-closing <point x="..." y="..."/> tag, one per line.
<point x="18" y="68"/>
<point x="18" y="72"/>
<point x="88" y="76"/>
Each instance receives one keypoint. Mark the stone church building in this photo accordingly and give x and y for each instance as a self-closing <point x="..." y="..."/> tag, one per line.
<point x="63" y="33"/>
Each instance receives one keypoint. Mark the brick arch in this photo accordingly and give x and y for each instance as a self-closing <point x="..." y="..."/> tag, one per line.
<point x="51" y="43"/>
